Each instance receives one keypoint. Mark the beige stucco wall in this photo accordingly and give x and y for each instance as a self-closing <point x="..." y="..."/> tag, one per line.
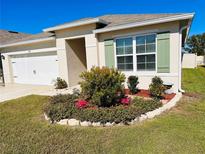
<point x="76" y="59"/>
<point x="94" y="49"/>
<point x="23" y="49"/>
<point x="145" y="77"/>
<point x="189" y="60"/>
<point x="84" y="32"/>
<point x="7" y="70"/>
<point x="75" y="31"/>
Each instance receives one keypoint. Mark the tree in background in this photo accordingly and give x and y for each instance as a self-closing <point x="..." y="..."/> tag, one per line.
<point x="196" y="44"/>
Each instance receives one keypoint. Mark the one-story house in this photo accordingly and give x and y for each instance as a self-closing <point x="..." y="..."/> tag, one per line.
<point x="145" y="45"/>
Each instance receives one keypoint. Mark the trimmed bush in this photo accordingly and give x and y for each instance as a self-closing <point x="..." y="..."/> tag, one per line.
<point x="101" y="86"/>
<point x="132" y="84"/>
<point x="156" y="88"/>
<point x="115" y="114"/>
<point x="60" y="83"/>
<point x="64" y="106"/>
<point x="146" y="105"/>
<point x="61" y="107"/>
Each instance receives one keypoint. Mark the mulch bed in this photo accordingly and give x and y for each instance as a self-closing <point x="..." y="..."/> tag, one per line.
<point x="146" y="94"/>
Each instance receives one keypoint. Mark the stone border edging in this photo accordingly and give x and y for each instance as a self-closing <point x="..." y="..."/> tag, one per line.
<point x="142" y="117"/>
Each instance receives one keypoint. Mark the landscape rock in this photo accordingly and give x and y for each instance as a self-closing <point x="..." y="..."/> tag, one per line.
<point x="108" y="124"/>
<point x="164" y="101"/>
<point x="46" y="117"/>
<point x="131" y="122"/>
<point x="142" y="117"/>
<point x="136" y="119"/>
<point x="73" y="122"/>
<point x="96" y="124"/>
<point x="85" y="123"/>
<point x="63" y="122"/>
<point x="154" y="113"/>
<point x="120" y="124"/>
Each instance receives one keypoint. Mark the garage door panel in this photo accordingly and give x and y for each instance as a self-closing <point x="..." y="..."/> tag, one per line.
<point x="35" y="69"/>
<point x="19" y="69"/>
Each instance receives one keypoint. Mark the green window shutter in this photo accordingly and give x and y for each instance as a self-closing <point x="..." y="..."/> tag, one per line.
<point x="109" y="53"/>
<point x="163" y="53"/>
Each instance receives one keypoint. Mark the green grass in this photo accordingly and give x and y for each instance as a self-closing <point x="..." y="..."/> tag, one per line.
<point x="194" y="80"/>
<point x="181" y="130"/>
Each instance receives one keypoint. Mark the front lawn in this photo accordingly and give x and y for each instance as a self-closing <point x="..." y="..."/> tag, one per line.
<point x="24" y="130"/>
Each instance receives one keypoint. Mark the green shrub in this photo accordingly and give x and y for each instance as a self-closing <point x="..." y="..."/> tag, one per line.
<point x="60" y="83"/>
<point x="101" y="85"/>
<point x="132" y="84"/>
<point x="156" y="88"/>
<point x="115" y="114"/>
<point x="146" y="105"/>
<point x="61" y="107"/>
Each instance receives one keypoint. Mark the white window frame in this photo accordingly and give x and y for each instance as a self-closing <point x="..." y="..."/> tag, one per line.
<point x="124" y="55"/>
<point x="134" y="54"/>
<point x="149" y="53"/>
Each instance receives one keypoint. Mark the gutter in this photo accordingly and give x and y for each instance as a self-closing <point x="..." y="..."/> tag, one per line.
<point x="27" y="42"/>
<point x="144" y="23"/>
<point x="180" y="53"/>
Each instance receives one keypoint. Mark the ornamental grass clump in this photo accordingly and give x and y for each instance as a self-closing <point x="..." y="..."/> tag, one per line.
<point x="102" y="86"/>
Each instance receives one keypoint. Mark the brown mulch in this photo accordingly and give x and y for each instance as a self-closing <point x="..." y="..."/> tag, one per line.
<point x="146" y="94"/>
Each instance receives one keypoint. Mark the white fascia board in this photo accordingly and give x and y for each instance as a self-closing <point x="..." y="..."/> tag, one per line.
<point x="144" y="23"/>
<point x="27" y="42"/>
<point x="74" y="24"/>
<point x="31" y="51"/>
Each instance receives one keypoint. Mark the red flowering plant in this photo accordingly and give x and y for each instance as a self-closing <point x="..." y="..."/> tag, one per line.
<point x="125" y="101"/>
<point x="80" y="104"/>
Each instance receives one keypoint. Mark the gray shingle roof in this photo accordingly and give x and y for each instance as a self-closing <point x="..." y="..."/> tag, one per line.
<point x="9" y="36"/>
<point x="113" y="20"/>
<point x="120" y="19"/>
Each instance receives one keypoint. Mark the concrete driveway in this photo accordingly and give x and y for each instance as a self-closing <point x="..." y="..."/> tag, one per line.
<point x="13" y="91"/>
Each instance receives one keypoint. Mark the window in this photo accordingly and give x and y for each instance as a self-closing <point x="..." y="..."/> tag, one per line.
<point x="124" y="53"/>
<point x="145" y="53"/>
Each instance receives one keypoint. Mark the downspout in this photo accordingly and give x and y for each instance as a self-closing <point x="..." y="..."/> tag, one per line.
<point x="180" y="58"/>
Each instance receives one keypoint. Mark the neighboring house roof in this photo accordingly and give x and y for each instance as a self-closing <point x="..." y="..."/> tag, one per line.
<point x="9" y="36"/>
<point x="22" y="39"/>
<point x="109" y="22"/>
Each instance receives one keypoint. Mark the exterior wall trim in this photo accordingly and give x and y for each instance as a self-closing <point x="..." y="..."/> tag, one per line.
<point x="27" y="42"/>
<point x="31" y="51"/>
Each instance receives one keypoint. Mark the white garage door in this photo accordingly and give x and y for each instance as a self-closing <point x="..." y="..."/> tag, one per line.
<point x="35" y="68"/>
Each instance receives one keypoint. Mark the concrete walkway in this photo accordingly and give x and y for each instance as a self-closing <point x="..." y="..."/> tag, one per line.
<point x="13" y="91"/>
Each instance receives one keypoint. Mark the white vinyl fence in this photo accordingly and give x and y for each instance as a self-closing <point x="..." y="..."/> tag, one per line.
<point x="200" y="60"/>
<point x="191" y="60"/>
